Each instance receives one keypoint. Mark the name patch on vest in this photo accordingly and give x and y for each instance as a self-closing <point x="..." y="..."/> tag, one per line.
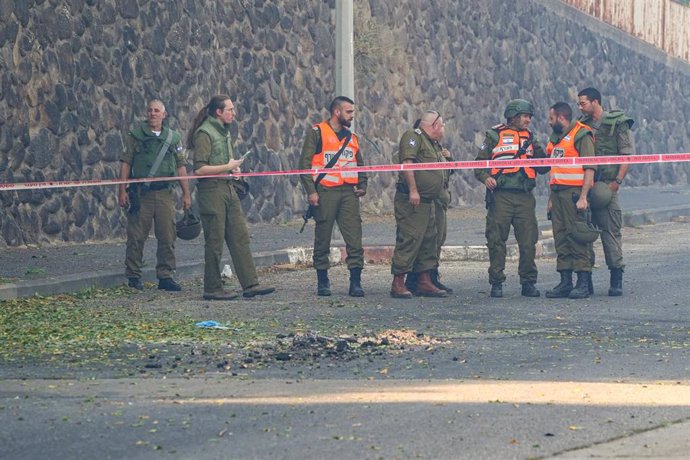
<point x="348" y="154"/>
<point x="504" y="148"/>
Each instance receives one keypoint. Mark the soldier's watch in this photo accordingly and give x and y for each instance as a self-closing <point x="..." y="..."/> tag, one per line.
<point x="619" y="181"/>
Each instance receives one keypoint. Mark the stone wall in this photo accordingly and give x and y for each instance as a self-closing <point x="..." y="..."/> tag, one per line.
<point x="75" y="74"/>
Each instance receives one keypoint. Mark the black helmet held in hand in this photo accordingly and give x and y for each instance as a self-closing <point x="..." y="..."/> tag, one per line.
<point x="189" y="226"/>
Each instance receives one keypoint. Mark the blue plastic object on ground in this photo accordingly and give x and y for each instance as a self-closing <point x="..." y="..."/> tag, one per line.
<point x="210" y="325"/>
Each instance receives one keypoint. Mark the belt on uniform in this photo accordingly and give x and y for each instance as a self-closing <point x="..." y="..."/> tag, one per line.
<point x="421" y="200"/>
<point x="510" y="190"/>
<point x="213" y="179"/>
<point x="155" y="186"/>
<point x="561" y="187"/>
<point x="336" y="187"/>
<point x="403" y="190"/>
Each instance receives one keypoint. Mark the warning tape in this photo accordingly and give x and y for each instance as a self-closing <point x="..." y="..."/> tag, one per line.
<point x="474" y="164"/>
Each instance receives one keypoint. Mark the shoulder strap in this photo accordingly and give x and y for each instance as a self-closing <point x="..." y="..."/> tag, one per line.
<point x="335" y="158"/>
<point x="523" y="148"/>
<point x="161" y="153"/>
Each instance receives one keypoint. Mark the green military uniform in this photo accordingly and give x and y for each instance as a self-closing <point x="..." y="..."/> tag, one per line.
<point x="222" y="217"/>
<point x="612" y="137"/>
<point x="440" y="209"/>
<point x="336" y="204"/>
<point x="155" y="200"/>
<point x="571" y="255"/>
<point x="416" y="243"/>
<point x="513" y="204"/>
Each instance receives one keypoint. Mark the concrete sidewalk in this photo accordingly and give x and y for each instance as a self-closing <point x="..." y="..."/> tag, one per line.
<point x="671" y="442"/>
<point x="50" y="270"/>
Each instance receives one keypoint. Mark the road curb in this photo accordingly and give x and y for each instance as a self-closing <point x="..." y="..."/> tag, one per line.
<point x="652" y="216"/>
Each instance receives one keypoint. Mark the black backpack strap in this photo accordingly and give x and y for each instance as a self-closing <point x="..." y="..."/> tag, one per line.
<point x="335" y="158"/>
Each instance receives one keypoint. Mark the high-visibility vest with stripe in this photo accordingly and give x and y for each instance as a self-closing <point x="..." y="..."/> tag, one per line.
<point x="330" y="144"/>
<point x="509" y="142"/>
<point x="570" y="175"/>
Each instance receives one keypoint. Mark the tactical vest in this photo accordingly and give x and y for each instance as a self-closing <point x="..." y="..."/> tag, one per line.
<point x="221" y="142"/>
<point x="147" y="147"/>
<point x="606" y="143"/>
<point x="330" y="145"/>
<point x="507" y="146"/>
<point x="569" y="175"/>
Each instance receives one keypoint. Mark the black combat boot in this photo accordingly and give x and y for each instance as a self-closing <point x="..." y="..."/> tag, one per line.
<point x="411" y="281"/>
<point x="530" y="290"/>
<point x="581" y="289"/>
<point x="616" y="288"/>
<point x="135" y="283"/>
<point x="563" y="288"/>
<point x="436" y="279"/>
<point x="356" y="283"/>
<point x="496" y="290"/>
<point x="169" y="284"/>
<point x="324" y="287"/>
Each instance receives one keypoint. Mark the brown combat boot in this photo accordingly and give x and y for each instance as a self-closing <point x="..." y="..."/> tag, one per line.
<point x="398" y="289"/>
<point x="426" y="288"/>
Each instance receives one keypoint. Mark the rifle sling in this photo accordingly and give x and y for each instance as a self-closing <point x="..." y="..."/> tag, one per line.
<point x="333" y="160"/>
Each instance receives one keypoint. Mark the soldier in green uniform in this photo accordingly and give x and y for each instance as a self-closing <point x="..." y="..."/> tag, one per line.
<point x="222" y="217"/>
<point x="152" y="150"/>
<point x="440" y="210"/>
<point x="416" y="244"/>
<point x="336" y="196"/>
<point x="613" y="136"/>
<point x="509" y="196"/>
<point x="568" y="201"/>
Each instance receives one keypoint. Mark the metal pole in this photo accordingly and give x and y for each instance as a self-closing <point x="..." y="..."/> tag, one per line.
<point x="344" y="49"/>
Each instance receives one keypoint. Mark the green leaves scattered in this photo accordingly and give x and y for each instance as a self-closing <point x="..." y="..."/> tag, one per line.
<point x="77" y="326"/>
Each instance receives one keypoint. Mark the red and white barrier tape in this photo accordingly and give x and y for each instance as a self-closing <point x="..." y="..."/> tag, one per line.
<point x="532" y="162"/>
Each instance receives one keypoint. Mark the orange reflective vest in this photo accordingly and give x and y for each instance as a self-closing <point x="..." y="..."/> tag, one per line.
<point x="570" y="175"/>
<point x="330" y="144"/>
<point x="509" y="142"/>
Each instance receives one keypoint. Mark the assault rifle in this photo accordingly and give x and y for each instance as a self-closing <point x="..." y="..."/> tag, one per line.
<point x="308" y="214"/>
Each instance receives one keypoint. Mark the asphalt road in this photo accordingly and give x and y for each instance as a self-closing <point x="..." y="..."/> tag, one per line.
<point x="482" y="378"/>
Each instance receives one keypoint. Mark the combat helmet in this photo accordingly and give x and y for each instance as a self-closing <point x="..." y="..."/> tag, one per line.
<point x="585" y="232"/>
<point x="188" y="227"/>
<point x="600" y="195"/>
<point x="516" y="107"/>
